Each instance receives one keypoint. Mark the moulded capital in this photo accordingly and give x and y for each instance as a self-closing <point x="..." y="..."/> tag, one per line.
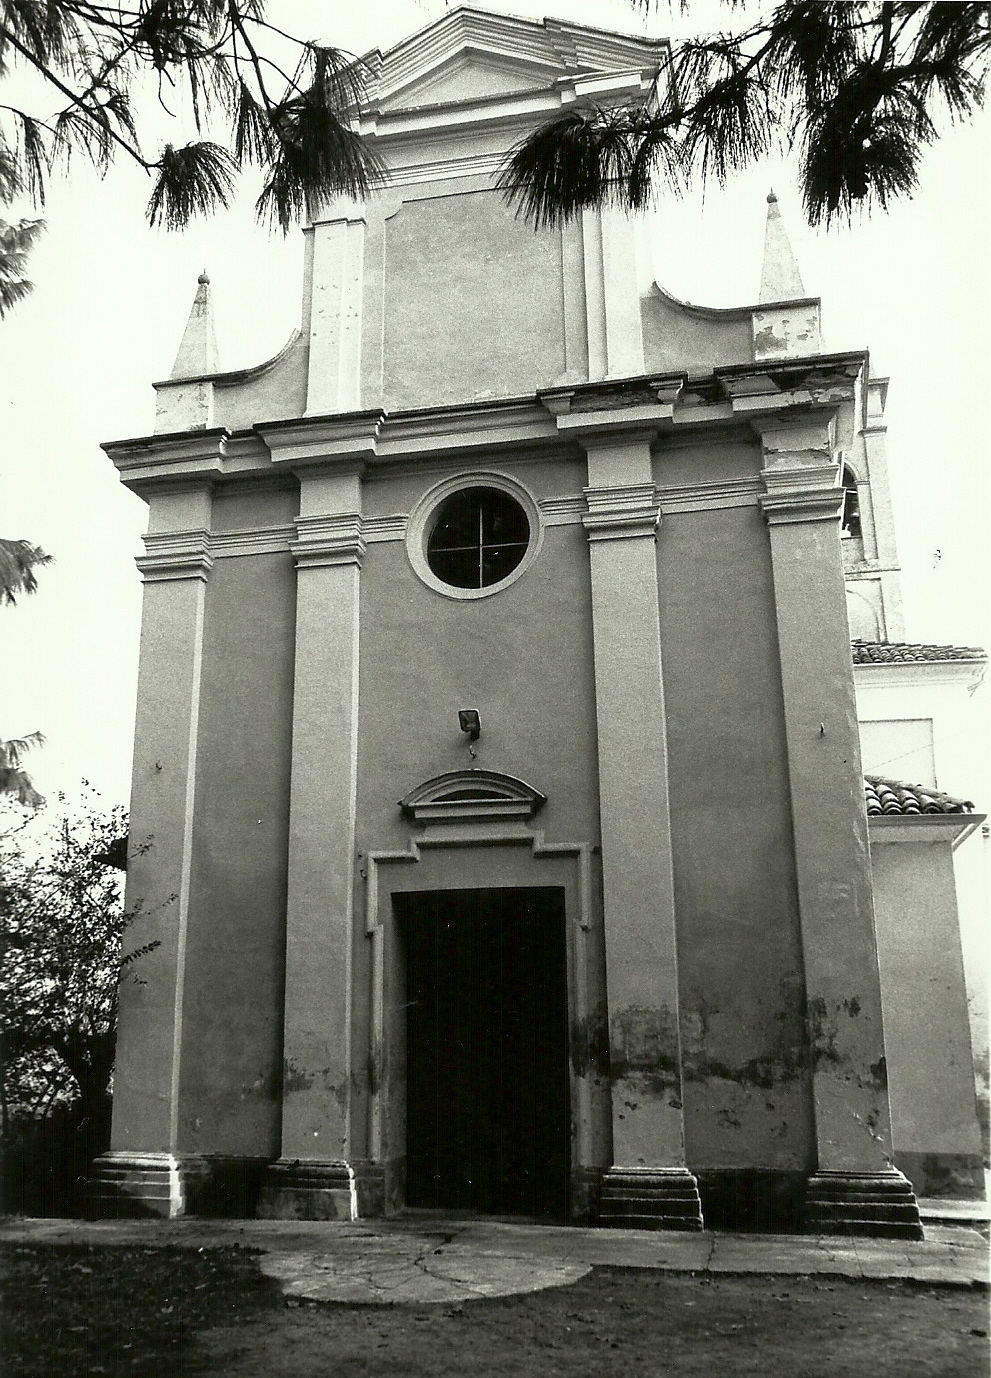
<point x="622" y="512"/>
<point x="175" y="555"/>
<point x="328" y="540"/>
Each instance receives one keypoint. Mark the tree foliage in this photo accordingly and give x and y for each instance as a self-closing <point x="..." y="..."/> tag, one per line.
<point x="855" y="90"/>
<point x="14" y="779"/>
<point x="16" y="242"/>
<point x="62" y="924"/>
<point x="221" y="62"/>
<point x="18" y="561"/>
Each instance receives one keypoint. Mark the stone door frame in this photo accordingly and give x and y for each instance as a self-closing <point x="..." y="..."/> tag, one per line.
<point x="457" y="857"/>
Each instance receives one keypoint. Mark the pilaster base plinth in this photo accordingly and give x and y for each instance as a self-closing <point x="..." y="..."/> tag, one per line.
<point x="650" y="1198"/>
<point x="143" y="1184"/>
<point x="865" y="1203"/>
<point x="304" y="1189"/>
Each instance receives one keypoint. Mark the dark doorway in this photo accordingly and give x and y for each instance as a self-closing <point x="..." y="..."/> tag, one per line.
<point x="488" y="1108"/>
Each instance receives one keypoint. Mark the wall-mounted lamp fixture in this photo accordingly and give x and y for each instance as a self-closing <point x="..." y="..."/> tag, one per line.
<point x="470" y="722"/>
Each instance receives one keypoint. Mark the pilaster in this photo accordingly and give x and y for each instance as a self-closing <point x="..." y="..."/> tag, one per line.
<point x="856" y="1181"/>
<point x="624" y="331"/>
<point x="143" y="1164"/>
<point x="612" y="294"/>
<point x="313" y="1178"/>
<point x="649" y="1184"/>
<point x="335" y="311"/>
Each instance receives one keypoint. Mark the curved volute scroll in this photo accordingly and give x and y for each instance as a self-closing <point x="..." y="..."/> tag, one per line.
<point x="472" y="796"/>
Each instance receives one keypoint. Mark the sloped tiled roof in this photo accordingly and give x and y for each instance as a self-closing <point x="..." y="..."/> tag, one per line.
<point x="892" y="797"/>
<point x="905" y="652"/>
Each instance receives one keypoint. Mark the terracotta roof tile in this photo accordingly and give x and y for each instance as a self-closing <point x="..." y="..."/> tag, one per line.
<point x="904" y="652"/>
<point x="885" y="797"/>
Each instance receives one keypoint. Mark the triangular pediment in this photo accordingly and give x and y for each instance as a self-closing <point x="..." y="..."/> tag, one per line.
<point x="472" y="54"/>
<point x="471" y="75"/>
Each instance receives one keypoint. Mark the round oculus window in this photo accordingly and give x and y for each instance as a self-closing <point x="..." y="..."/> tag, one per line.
<point x="478" y="538"/>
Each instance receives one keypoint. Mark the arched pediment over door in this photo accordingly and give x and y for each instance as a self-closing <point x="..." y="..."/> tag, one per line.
<point x="472" y="795"/>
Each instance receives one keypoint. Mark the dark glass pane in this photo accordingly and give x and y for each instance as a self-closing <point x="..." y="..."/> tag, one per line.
<point x="499" y="561"/>
<point x="456" y="567"/>
<point x="503" y="520"/>
<point x="850" y="523"/>
<point x="457" y="523"/>
<point x="478" y="526"/>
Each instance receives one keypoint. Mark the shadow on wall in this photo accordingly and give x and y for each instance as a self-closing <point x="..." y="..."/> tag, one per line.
<point x="760" y="1202"/>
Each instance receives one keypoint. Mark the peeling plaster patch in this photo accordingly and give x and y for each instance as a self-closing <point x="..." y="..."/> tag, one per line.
<point x="294" y="1078"/>
<point x="645" y="1049"/>
<point x="766" y="342"/>
<point x="786" y="1060"/>
<point x="822" y="1033"/>
<point x="780" y="333"/>
<point x="340" y="1092"/>
<point x="590" y="1044"/>
<point x="763" y="1072"/>
<point x="852" y="1007"/>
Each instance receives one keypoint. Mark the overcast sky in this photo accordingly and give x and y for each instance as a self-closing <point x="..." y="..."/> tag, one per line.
<point x="78" y="358"/>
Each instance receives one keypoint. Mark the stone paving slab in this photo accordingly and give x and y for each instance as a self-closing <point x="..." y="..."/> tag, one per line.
<point x="428" y="1276"/>
<point x="417" y="1261"/>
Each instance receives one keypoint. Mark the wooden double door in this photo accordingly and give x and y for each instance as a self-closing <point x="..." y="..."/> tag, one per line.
<point x="488" y="1109"/>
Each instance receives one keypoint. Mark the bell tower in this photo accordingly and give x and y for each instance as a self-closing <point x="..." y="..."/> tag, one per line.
<point x="870" y="557"/>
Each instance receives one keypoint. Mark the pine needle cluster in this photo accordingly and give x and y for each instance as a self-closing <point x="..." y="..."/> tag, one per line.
<point x="856" y="90"/>
<point x="219" y="60"/>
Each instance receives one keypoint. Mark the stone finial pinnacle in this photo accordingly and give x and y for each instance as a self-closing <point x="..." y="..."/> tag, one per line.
<point x="780" y="279"/>
<point x="198" y="351"/>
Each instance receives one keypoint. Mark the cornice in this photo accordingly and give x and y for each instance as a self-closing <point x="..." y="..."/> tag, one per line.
<point x="614" y="403"/>
<point x="175" y="555"/>
<point x="562" y="43"/>
<point x="166" y="458"/>
<point x="472" y="795"/>
<point x="302" y="538"/>
<point x="507" y="112"/>
<point x="815" y="382"/>
<point x="262" y="540"/>
<point x="950" y="829"/>
<point x="918" y="673"/>
<point x="563" y="511"/>
<point x="551" y="52"/>
<point x="703" y="497"/>
<point x="458" y="166"/>
<point x="766" y="398"/>
<point x="623" y="512"/>
<point x="389" y="528"/>
<point x="495" y="424"/>
<point x="305" y="441"/>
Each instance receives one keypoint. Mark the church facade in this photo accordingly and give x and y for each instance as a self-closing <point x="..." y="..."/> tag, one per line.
<point x="497" y="800"/>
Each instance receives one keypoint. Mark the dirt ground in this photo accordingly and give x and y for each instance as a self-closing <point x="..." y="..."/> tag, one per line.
<point x="169" y="1312"/>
